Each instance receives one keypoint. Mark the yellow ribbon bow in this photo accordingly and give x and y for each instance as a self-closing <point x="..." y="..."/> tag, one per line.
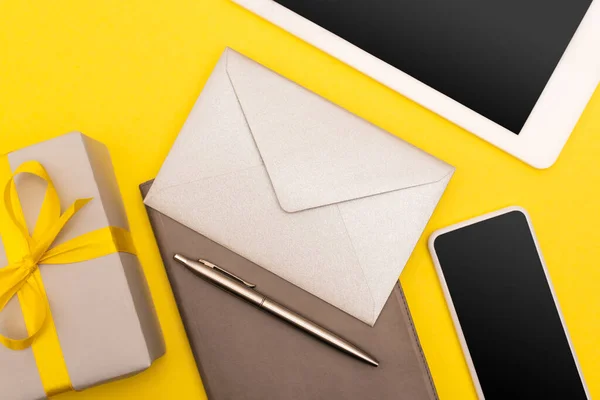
<point x="22" y="277"/>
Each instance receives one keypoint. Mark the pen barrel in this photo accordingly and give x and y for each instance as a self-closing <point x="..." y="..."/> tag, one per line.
<point x="316" y="331"/>
<point x="235" y="288"/>
<point x="297" y="320"/>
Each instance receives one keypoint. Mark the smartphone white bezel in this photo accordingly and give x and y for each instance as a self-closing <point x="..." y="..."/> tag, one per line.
<point x="453" y="313"/>
<point x="549" y="125"/>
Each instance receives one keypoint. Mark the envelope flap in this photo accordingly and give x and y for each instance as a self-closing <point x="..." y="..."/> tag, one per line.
<point x="317" y="153"/>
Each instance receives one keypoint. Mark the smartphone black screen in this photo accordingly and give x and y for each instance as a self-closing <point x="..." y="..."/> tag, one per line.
<point x="507" y="312"/>
<point x="492" y="56"/>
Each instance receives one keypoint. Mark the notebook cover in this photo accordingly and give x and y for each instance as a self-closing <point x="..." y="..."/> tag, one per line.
<point x="244" y="353"/>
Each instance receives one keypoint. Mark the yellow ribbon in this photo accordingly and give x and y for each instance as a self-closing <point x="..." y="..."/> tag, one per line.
<point x="22" y="277"/>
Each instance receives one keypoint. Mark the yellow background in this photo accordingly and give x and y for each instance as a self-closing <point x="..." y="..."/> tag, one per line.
<point x="127" y="74"/>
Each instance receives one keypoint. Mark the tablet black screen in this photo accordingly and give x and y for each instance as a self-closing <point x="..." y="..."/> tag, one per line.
<point x="493" y="56"/>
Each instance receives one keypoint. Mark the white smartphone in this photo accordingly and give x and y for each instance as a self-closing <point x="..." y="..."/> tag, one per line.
<point x="505" y="310"/>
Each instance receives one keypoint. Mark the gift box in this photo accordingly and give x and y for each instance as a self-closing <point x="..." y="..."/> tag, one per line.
<point x="79" y="311"/>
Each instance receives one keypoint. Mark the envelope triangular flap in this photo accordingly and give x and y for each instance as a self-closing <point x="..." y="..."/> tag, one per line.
<point x="316" y="153"/>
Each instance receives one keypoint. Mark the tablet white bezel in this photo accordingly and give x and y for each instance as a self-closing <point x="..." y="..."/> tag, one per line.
<point x="551" y="122"/>
<point x="453" y="313"/>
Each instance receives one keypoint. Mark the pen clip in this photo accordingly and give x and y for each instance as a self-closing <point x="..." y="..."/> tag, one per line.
<point x="225" y="272"/>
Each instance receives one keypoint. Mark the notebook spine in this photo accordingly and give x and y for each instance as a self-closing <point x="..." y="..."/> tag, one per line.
<point x="418" y="342"/>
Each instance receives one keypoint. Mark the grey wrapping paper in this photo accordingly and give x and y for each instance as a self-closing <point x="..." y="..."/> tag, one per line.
<point x="102" y="309"/>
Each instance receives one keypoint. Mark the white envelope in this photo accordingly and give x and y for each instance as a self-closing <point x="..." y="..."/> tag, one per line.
<point x="299" y="186"/>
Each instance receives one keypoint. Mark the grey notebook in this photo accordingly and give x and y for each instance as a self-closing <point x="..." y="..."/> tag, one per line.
<point x="244" y="353"/>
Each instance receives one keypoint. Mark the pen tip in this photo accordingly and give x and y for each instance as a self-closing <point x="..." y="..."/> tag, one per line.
<point x="368" y="359"/>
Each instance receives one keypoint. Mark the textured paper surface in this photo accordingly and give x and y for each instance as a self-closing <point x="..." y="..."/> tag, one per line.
<point x="244" y="353"/>
<point x="299" y="186"/>
<point x="102" y="308"/>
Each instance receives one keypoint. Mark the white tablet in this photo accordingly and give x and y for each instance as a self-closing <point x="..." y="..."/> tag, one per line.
<point x="517" y="73"/>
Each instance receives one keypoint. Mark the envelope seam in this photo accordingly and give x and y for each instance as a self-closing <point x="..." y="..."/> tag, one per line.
<point x="226" y="70"/>
<point x="249" y="126"/>
<point x="362" y="271"/>
<point x="239" y="102"/>
<point x="379" y="193"/>
<point x="162" y="190"/>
